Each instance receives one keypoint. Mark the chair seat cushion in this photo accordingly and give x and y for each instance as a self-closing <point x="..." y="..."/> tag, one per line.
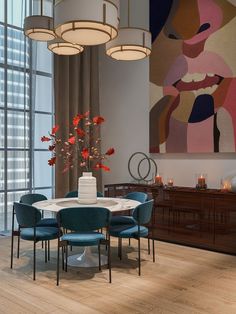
<point x="42" y="233"/>
<point x="122" y="220"/>
<point x="128" y="231"/>
<point x="47" y="222"/>
<point x="83" y="238"/>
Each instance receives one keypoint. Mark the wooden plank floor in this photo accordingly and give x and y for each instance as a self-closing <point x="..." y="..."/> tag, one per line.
<point x="183" y="280"/>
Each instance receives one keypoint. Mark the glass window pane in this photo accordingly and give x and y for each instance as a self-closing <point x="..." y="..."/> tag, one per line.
<point x="2" y="87"/>
<point x="47" y="7"/>
<point x="2" y="125"/>
<point x="2" y="227"/>
<point x="2" y="10"/>
<point x="18" y="170"/>
<point x="1" y="170"/>
<point x="11" y="198"/>
<point x="18" y="90"/>
<point x="42" y="57"/>
<point x="16" y="12"/>
<point x="43" y="124"/>
<point x="2" y="43"/>
<point x="45" y="192"/>
<point x="42" y="171"/>
<point x="17" y="129"/>
<point x="17" y="48"/>
<point x="43" y="101"/>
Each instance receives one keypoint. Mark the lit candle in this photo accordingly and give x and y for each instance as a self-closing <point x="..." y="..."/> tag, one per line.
<point x="158" y="180"/>
<point x="170" y="182"/>
<point x="201" y="181"/>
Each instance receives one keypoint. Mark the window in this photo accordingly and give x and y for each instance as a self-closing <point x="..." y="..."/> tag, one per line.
<point x="26" y="108"/>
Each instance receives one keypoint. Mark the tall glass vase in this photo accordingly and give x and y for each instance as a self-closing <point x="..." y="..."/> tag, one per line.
<point x="87" y="189"/>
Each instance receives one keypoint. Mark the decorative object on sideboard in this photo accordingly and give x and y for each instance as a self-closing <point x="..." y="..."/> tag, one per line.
<point x="229" y="183"/>
<point x="170" y="182"/>
<point x="158" y="180"/>
<point x="142" y="168"/>
<point x="201" y="181"/>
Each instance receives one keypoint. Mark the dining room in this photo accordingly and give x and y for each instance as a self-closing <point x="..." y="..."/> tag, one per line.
<point x="117" y="156"/>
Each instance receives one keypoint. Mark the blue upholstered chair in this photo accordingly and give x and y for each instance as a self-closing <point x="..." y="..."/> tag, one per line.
<point x="28" y="218"/>
<point x="136" y="196"/>
<point x="141" y="215"/>
<point x="83" y="221"/>
<point x="30" y="199"/>
<point x="75" y="194"/>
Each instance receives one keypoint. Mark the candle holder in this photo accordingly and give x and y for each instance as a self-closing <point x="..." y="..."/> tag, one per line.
<point x="225" y="185"/>
<point x="170" y="183"/>
<point x="201" y="181"/>
<point x="158" y="179"/>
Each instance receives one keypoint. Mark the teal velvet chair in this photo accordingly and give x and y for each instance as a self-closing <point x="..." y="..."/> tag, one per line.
<point x="141" y="215"/>
<point x="30" y="199"/>
<point x="136" y="196"/>
<point x="28" y="218"/>
<point x="75" y="194"/>
<point x="82" y="222"/>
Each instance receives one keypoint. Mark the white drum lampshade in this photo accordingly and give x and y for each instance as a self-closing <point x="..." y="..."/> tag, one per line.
<point x="130" y="44"/>
<point x="39" y="27"/>
<point x="61" y="47"/>
<point x="86" y="22"/>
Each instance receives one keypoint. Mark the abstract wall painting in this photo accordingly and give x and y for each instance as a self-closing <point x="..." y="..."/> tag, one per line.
<point x="193" y="76"/>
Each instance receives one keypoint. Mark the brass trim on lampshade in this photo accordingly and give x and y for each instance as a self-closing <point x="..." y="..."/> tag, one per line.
<point x="87" y="22"/>
<point x="130" y="44"/>
<point x="39" y="27"/>
<point x="61" y="47"/>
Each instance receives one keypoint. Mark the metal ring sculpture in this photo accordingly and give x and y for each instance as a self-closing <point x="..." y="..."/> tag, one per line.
<point x="145" y="158"/>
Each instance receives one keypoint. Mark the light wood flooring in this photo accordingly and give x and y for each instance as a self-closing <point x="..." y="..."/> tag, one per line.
<point x="183" y="280"/>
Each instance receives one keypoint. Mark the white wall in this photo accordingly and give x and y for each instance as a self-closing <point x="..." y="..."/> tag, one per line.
<point x="124" y="98"/>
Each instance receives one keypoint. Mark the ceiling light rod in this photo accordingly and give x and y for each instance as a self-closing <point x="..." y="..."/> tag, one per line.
<point x="41" y="7"/>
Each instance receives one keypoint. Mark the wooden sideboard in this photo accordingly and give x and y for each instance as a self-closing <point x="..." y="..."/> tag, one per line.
<point x="204" y="219"/>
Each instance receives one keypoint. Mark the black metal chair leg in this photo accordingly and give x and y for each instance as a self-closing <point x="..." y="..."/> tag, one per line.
<point x="153" y="251"/>
<point x="58" y="262"/>
<point x="12" y="237"/>
<point x="34" y="262"/>
<point x="120" y="248"/>
<point x="42" y="245"/>
<point x="66" y="258"/>
<point x="149" y="251"/>
<point x="109" y="258"/>
<point x="139" y="258"/>
<point x="62" y="256"/>
<point x="99" y="256"/>
<point x="18" y="243"/>
<point x="46" y="249"/>
<point x="129" y="242"/>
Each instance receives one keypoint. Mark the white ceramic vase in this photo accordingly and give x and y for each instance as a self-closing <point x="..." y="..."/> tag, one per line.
<point x="87" y="189"/>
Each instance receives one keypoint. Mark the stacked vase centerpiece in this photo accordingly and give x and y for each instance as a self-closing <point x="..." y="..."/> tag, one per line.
<point x="87" y="189"/>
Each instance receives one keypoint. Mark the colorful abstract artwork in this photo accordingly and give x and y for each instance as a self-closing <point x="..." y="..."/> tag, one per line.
<point x="193" y="76"/>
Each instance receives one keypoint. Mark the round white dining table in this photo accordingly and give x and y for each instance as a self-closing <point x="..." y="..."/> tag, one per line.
<point x="87" y="258"/>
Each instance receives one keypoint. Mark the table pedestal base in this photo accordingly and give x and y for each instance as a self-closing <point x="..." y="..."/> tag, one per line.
<point x="86" y="259"/>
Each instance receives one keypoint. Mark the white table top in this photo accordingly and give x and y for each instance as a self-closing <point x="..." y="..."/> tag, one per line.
<point x="113" y="204"/>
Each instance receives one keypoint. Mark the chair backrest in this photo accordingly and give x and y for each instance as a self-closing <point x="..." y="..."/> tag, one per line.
<point x="143" y="212"/>
<point x="137" y="196"/>
<point x="84" y="218"/>
<point x="32" y="198"/>
<point x="75" y="194"/>
<point x="26" y="215"/>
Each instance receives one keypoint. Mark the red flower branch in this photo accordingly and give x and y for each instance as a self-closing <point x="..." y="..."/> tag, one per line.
<point x="82" y="146"/>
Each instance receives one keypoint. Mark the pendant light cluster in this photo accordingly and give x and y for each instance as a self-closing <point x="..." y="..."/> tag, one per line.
<point x="79" y="23"/>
